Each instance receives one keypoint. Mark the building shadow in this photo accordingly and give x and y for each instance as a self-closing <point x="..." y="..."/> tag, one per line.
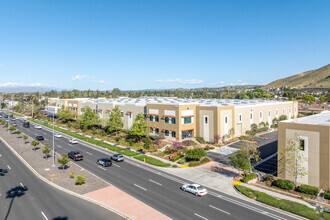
<point x="3" y="172"/>
<point x="13" y="193"/>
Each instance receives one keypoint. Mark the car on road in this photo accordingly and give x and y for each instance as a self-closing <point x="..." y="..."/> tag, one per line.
<point x="13" y="119"/>
<point x="73" y="141"/>
<point x="117" y="157"/>
<point x="104" y="162"/>
<point x="37" y="127"/>
<point x="195" y="189"/>
<point x="58" y="135"/>
<point x="40" y="138"/>
<point x="14" y="123"/>
<point x="75" y="155"/>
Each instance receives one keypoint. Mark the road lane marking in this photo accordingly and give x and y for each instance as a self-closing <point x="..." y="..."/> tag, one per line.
<point x="102" y="168"/>
<point x="44" y="215"/>
<point x="219" y="209"/>
<point x="140" y="187"/>
<point x="59" y="146"/>
<point x="0" y="155"/>
<point x="155" y="182"/>
<point x="22" y="185"/>
<point x="200" y="216"/>
<point x="8" y="167"/>
<point x="116" y="165"/>
<point x="46" y="139"/>
<point x="89" y="153"/>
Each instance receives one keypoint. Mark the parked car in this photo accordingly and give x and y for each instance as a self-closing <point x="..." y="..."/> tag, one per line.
<point x="195" y="189"/>
<point x="75" y="155"/>
<point x="73" y="141"/>
<point x="37" y="127"/>
<point x="58" y="135"/>
<point x="117" y="157"/>
<point x="13" y="119"/>
<point x="40" y="138"/>
<point x="104" y="162"/>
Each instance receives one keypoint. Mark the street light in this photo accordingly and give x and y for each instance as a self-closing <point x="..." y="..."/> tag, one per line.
<point x="53" y="139"/>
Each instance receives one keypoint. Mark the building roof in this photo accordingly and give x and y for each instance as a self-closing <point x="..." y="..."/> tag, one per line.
<point x="322" y="118"/>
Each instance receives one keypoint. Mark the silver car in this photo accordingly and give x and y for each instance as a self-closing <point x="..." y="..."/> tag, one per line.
<point x="117" y="157"/>
<point x="195" y="189"/>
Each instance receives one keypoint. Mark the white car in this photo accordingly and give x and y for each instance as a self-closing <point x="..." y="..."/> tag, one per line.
<point x="195" y="189"/>
<point x="58" y="135"/>
<point x="73" y="141"/>
<point x="37" y="127"/>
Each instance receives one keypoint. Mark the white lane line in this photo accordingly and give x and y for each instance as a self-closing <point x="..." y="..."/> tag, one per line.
<point x="89" y="153"/>
<point x="102" y="168"/>
<point x="116" y="165"/>
<point x="44" y="215"/>
<point x="22" y="185"/>
<point x="140" y="187"/>
<point x="46" y="139"/>
<point x="219" y="209"/>
<point x="59" y="146"/>
<point x="8" y="167"/>
<point x="155" y="182"/>
<point x="0" y="155"/>
<point x="200" y="216"/>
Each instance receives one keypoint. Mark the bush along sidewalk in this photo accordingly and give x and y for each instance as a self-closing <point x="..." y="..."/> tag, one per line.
<point x="286" y="205"/>
<point x="124" y="151"/>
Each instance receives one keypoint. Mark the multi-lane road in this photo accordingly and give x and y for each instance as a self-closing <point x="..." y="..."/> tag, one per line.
<point x="159" y="189"/>
<point x="24" y="196"/>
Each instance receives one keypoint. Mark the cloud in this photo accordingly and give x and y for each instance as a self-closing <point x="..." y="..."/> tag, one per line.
<point x="181" y="81"/>
<point x="98" y="81"/>
<point x="79" y="77"/>
<point x="13" y="84"/>
<point x="217" y="83"/>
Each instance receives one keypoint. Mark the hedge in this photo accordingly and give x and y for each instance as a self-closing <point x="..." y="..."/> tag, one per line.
<point x="307" y="189"/>
<point x="248" y="176"/>
<point x="286" y="205"/>
<point x="177" y="157"/>
<point x="284" y="184"/>
<point x="327" y="195"/>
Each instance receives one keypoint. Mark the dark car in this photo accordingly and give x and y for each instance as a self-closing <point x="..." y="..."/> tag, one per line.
<point x="40" y="138"/>
<point x="104" y="162"/>
<point x="75" y="155"/>
<point x="117" y="157"/>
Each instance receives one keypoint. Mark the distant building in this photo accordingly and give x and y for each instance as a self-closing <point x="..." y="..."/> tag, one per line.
<point x="52" y="109"/>
<point x="314" y="132"/>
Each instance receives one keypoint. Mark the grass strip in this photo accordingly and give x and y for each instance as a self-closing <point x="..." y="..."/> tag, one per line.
<point x="286" y="205"/>
<point x="152" y="161"/>
<point x="111" y="147"/>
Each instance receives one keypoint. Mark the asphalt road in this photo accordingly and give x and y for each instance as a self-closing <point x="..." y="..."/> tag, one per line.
<point x="24" y="196"/>
<point x="158" y="189"/>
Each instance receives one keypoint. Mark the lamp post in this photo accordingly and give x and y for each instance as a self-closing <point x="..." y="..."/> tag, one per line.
<point x="53" y="139"/>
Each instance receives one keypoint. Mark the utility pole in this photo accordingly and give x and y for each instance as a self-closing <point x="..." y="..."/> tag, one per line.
<point x="53" y="139"/>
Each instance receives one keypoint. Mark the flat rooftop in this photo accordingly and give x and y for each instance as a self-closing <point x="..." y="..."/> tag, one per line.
<point x="322" y="118"/>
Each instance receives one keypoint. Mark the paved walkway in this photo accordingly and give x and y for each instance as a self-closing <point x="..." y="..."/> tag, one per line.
<point x="125" y="203"/>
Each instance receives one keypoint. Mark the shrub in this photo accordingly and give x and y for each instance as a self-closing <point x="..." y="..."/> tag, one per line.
<point x="182" y="161"/>
<point x="195" y="154"/>
<point x="177" y="157"/>
<point x="177" y="145"/>
<point x="186" y="143"/>
<point x="268" y="177"/>
<point x="250" y="133"/>
<point x="147" y="142"/>
<point x="254" y="127"/>
<point x="248" y="176"/>
<point x="200" y="140"/>
<point x="174" y="166"/>
<point x="194" y="163"/>
<point x="80" y="180"/>
<point x="307" y="189"/>
<point x="72" y="174"/>
<point x="327" y="195"/>
<point x="193" y="142"/>
<point x="284" y="184"/>
<point x="204" y="160"/>
<point x="212" y="148"/>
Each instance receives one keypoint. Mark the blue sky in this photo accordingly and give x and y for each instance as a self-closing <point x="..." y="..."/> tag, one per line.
<point x="160" y="44"/>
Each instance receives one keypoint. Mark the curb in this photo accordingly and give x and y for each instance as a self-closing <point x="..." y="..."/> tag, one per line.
<point x="63" y="189"/>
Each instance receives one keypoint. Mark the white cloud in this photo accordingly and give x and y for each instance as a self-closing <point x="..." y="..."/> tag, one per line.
<point x="13" y="84"/>
<point x="79" y="77"/>
<point x="217" y="83"/>
<point x="181" y="81"/>
<point x="98" y="81"/>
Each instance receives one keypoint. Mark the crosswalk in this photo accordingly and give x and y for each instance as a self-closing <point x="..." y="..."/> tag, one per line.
<point x="226" y="150"/>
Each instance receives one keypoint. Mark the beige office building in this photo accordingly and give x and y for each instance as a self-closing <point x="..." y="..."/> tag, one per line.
<point x="314" y="132"/>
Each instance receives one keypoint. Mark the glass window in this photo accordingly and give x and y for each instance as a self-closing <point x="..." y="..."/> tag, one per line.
<point x="156" y="130"/>
<point x="167" y="120"/>
<point x="206" y="120"/>
<point x="173" y="120"/>
<point x="173" y="134"/>
<point x="151" y="117"/>
<point x="226" y="120"/>
<point x="187" y="120"/>
<point x="302" y="144"/>
<point x="167" y="133"/>
<point x="156" y="118"/>
<point x="251" y="115"/>
<point x="240" y="118"/>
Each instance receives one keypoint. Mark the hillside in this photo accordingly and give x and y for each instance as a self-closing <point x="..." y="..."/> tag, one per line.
<point x="309" y="79"/>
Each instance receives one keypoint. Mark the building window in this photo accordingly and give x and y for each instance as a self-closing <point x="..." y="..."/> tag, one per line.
<point x="167" y="133"/>
<point x="240" y="118"/>
<point x="187" y="120"/>
<point x="260" y="114"/>
<point x="283" y="111"/>
<point x="157" y="118"/>
<point x="302" y="144"/>
<point x="251" y="115"/>
<point x="206" y="120"/>
<point x="156" y="130"/>
<point x="167" y="120"/>
<point x="173" y="120"/>
<point x="186" y="134"/>
<point x="226" y="119"/>
<point x="269" y="113"/>
<point x="173" y="134"/>
<point x="276" y="112"/>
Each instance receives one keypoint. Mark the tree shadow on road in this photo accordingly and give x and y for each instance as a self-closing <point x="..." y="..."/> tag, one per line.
<point x="3" y="172"/>
<point x="13" y="193"/>
<point x="224" y="171"/>
<point x="60" y="218"/>
<point x="65" y="167"/>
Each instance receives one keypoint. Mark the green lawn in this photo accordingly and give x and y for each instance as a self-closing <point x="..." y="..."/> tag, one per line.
<point x="286" y="205"/>
<point x="152" y="161"/>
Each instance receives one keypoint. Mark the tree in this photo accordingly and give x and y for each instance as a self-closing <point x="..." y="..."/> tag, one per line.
<point x="247" y="153"/>
<point x="139" y="127"/>
<point x="216" y="138"/>
<point x="89" y="119"/>
<point x="3" y="105"/>
<point x="65" y="115"/>
<point x="35" y="143"/>
<point x="323" y="99"/>
<point x="294" y="158"/>
<point x="25" y="137"/>
<point x="116" y="93"/>
<point x="46" y="150"/>
<point x="309" y="99"/>
<point x="282" y="118"/>
<point x="12" y="128"/>
<point x="64" y="160"/>
<point x="115" y="120"/>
